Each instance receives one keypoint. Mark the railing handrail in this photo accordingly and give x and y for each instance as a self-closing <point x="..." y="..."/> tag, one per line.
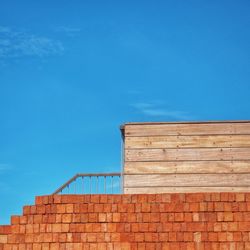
<point x="85" y="175"/>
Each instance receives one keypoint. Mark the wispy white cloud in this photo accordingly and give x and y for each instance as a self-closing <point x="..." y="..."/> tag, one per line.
<point x="69" y="31"/>
<point x="157" y="109"/>
<point x="18" y="44"/>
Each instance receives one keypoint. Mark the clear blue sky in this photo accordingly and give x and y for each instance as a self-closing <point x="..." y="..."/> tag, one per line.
<point x="72" y="71"/>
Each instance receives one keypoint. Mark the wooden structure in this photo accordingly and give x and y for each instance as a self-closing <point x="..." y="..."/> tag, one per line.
<point x="186" y="157"/>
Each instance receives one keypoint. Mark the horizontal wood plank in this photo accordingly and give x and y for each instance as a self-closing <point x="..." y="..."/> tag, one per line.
<point x="187" y="167"/>
<point x="187" y="180"/>
<point x="157" y="190"/>
<point x="186" y="154"/>
<point x="196" y="141"/>
<point x="187" y="129"/>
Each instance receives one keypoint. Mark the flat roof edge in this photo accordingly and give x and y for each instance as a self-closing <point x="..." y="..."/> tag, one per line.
<point x="183" y="122"/>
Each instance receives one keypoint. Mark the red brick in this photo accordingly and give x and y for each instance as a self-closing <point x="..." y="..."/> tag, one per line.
<point x="228" y="216"/>
<point x="229" y="236"/>
<point x="166" y="198"/>
<point x="179" y="216"/>
<point x="232" y="226"/>
<point x="141" y="198"/>
<point x="103" y="198"/>
<point x="116" y="217"/>
<point x="114" y="208"/>
<point x="107" y="208"/>
<point x="126" y="198"/>
<point x="210" y="206"/>
<point x="247" y="246"/>
<point x="195" y="197"/>
<point x="92" y="217"/>
<point x="220" y="216"/>
<point x="61" y="208"/>
<point x="109" y="217"/>
<point x="38" y="219"/>
<point x="194" y="207"/>
<point x="15" y="220"/>
<point x="245" y="236"/>
<point x="217" y="227"/>
<point x="40" y="209"/>
<point x="69" y="208"/>
<point x="151" y="198"/>
<point x="167" y="227"/>
<point x="130" y="208"/>
<point x="222" y="236"/>
<point x="237" y="236"/>
<point x="242" y="206"/>
<point x="183" y="220"/>
<point x="203" y="206"/>
<point x="171" y="217"/>
<point x="212" y="236"/>
<point x="145" y="207"/>
<point x="224" y="196"/>
<point x="218" y="206"/>
<point x="239" y="197"/>
<point x="172" y="236"/>
<point x="196" y="217"/>
<point x="124" y="217"/>
<point x="151" y="237"/>
<point x="187" y="236"/>
<point x="66" y="218"/>
<point x="115" y="237"/>
<point x="143" y="227"/>
<point x="247" y="196"/>
<point x="235" y="206"/>
<point x="231" y="197"/>
<point x="131" y="217"/>
<point x="134" y="227"/>
<point x="39" y="200"/>
<point x="188" y="217"/>
<point x="248" y="206"/>
<point x="227" y="206"/>
<point x="153" y="227"/>
<point x="196" y="226"/>
<point x="177" y="198"/>
<point x="154" y="217"/>
<point x="179" y="236"/>
<point x="177" y="227"/>
<point x="3" y="239"/>
<point x="215" y="196"/>
<point x="26" y="210"/>
<point x="244" y="226"/>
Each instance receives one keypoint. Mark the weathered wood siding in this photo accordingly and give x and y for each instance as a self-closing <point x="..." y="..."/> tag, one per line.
<point x="187" y="157"/>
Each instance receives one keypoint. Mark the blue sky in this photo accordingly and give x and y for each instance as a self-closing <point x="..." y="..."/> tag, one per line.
<point x="72" y="71"/>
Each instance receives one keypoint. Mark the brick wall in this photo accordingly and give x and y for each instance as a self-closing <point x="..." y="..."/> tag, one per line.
<point x="147" y="221"/>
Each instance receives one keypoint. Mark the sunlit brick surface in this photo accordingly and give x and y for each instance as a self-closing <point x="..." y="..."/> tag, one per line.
<point x="147" y="221"/>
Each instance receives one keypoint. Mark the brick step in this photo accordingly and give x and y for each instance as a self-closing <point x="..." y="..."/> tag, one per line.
<point x="138" y="208"/>
<point x="132" y="222"/>
<point x="143" y="198"/>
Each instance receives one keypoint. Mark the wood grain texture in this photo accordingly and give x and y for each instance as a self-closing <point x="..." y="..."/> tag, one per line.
<point x="187" y="180"/>
<point x="187" y="129"/>
<point x="195" y="141"/>
<point x="155" y="190"/>
<point x="187" y="157"/>
<point x="182" y="154"/>
<point x="187" y="167"/>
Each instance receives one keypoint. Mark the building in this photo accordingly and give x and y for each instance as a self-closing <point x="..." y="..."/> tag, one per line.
<point x="183" y="186"/>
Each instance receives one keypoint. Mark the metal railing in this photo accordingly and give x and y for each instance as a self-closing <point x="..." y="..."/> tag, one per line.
<point x="98" y="183"/>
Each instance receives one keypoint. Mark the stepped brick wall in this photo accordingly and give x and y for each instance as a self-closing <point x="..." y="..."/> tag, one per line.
<point x="216" y="221"/>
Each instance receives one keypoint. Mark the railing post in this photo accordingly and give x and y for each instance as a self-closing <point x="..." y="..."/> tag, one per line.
<point x="91" y="179"/>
